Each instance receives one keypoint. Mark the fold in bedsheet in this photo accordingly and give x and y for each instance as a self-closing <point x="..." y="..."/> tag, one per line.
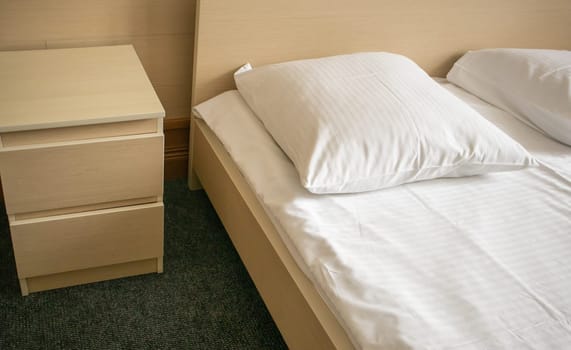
<point x="479" y="262"/>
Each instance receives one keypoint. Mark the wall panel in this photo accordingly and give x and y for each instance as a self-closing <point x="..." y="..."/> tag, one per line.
<point x="69" y="19"/>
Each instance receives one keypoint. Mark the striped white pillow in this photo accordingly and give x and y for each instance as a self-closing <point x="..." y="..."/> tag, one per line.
<point x="368" y="121"/>
<point x="532" y="84"/>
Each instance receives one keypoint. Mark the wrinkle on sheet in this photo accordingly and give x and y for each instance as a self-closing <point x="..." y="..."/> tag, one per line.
<point x="471" y="238"/>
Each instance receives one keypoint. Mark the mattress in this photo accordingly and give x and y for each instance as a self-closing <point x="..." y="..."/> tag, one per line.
<point x="479" y="262"/>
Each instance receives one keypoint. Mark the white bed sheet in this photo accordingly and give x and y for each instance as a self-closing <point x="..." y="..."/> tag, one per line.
<point x="471" y="263"/>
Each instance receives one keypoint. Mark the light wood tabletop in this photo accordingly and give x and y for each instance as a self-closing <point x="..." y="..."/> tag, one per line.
<point x="94" y="85"/>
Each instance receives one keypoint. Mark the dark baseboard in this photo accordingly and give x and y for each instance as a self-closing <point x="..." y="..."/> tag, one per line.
<point x="176" y="131"/>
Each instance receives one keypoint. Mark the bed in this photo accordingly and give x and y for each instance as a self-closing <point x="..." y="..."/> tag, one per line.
<point x="230" y="33"/>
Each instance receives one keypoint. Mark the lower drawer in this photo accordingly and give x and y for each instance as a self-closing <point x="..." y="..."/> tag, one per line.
<point x="84" y="240"/>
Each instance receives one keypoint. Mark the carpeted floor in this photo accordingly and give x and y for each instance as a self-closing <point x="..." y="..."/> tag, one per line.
<point x="204" y="299"/>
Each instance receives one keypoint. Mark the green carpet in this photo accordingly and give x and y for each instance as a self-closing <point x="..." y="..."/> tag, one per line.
<point x="204" y="299"/>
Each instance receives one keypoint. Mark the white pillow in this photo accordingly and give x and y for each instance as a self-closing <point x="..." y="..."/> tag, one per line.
<point x="367" y="121"/>
<point x="534" y="85"/>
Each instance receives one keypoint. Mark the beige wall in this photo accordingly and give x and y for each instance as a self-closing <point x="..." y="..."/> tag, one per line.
<point x="162" y="32"/>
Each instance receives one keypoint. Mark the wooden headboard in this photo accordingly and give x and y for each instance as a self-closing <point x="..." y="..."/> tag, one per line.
<point x="433" y="33"/>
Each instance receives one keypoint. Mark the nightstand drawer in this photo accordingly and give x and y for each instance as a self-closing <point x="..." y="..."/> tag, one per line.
<point x="73" y="174"/>
<point x="79" y="241"/>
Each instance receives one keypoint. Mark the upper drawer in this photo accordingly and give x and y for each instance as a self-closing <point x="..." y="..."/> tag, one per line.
<point x="71" y="174"/>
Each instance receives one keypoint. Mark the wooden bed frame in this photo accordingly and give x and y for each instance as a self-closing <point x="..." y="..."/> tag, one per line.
<point x="230" y="33"/>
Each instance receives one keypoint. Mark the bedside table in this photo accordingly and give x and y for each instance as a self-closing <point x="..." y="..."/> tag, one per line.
<point x="81" y="163"/>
